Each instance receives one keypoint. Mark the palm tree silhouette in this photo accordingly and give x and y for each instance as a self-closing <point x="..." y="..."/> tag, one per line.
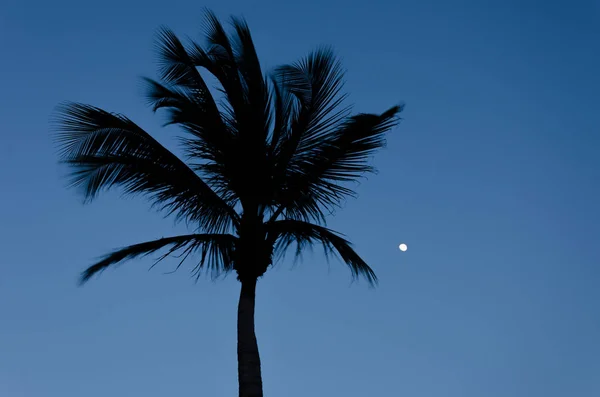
<point x="264" y="165"/>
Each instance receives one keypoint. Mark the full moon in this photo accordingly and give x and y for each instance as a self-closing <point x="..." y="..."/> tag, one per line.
<point x="403" y="247"/>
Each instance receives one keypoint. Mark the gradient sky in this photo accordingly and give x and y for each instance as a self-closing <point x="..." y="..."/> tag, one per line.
<point x="492" y="180"/>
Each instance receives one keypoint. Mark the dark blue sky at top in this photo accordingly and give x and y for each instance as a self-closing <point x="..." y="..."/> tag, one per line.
<point x="492" y="180"/>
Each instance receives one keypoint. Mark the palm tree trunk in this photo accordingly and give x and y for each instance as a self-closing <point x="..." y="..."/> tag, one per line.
<point x="249" y="376"/>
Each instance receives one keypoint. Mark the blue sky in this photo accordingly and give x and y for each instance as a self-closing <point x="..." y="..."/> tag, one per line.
<point x="491" y="180"/>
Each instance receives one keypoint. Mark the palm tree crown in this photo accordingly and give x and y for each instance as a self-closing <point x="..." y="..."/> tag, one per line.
<point x="264" y="165"/>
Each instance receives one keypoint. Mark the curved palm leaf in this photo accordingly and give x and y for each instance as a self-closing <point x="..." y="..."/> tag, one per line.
<point x="107" y="150"/>
<point x="220" y="60"/>
<point x="188" y="100"/>
<point x="189" y="103"/>
<point x="256" y="89"/>
<point x="178" y="69"/>
<point x="242" y="127"/>
<point x="210" y="139"/>
<point x="315" y="82"/>
<point x="283" y="109"/>
<point x="285" y="232"/>
<point x="216" y="253"/>
<point x="314" y="184"/>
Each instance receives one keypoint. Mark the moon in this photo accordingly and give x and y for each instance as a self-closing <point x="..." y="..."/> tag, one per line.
<point x="403" y="247"/>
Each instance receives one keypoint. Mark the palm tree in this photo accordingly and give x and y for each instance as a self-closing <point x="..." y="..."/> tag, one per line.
<point x="264" y="165"/>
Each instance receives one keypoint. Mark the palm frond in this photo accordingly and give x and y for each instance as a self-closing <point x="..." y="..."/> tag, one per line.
<point x="314" y="184"/>
<point x="176" y="67"/>
<point x="345" y="157"/>
<point x="245" y="111"/>
<point x="216" y="35"/>
<point x="211" y="138"/>
<point x="315" y="82"/>
<point x="194" y="110"/>
<point x="257" y="92"/>
<point x="284" y="233"/>
<point x="216" y="253"/>
<point x="220" y="60"/>
<point x="107" y="150"/>
<point x="183" y="91"/>
<point x="283" y="110"/>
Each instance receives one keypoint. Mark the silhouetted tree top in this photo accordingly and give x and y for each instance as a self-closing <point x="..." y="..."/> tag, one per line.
<point x="263" y="164"/>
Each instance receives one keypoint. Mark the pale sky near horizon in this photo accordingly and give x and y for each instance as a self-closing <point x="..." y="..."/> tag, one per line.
<point x="492" y="180"/>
